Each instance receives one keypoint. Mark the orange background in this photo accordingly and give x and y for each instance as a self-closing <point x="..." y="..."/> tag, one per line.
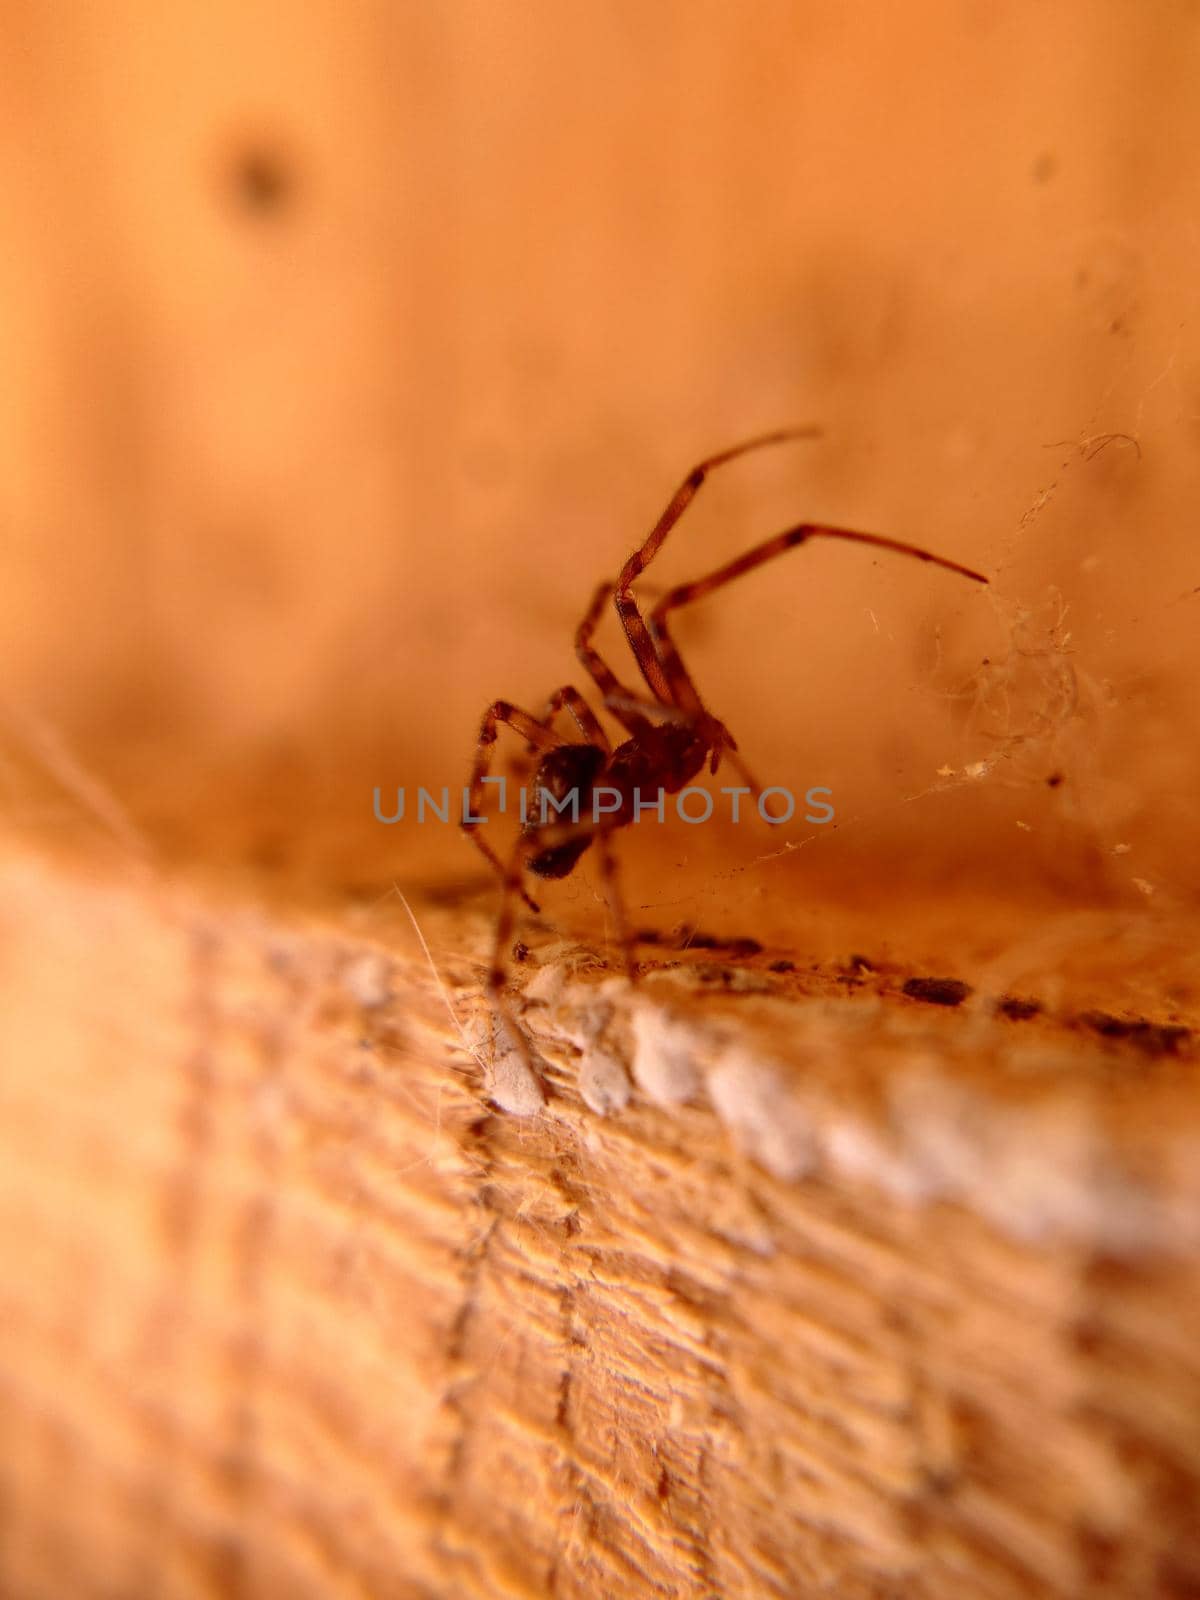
<point x="347" y="347"/>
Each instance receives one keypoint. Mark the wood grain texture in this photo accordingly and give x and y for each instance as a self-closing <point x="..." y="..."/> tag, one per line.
<point x="890" y="1298"/>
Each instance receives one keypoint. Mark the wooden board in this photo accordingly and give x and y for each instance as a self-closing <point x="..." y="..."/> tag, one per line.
<point x="794" y="1282"/>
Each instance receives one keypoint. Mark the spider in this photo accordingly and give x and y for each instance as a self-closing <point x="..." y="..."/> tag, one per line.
<point x="672" y="735"/>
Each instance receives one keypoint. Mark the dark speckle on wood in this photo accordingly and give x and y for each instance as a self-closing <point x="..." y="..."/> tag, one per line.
<point x="937" y="991"/>
<point x="1016" y="1009"/>
<point x="694" y="939"/>
<point x="1152" y="1038"/>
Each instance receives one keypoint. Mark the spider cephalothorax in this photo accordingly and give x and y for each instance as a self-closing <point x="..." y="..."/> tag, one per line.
<point x="671" y="733"/>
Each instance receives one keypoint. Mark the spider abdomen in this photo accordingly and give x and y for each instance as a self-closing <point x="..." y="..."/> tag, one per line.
<point x="567" y="774"/>
<point x="559" y="859"/>
<point x="567" y="777"/>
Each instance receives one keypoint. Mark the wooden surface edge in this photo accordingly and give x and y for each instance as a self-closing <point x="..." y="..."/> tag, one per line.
<point x="864" y="1301"/>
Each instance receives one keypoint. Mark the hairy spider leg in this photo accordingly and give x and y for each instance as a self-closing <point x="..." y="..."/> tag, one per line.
<point x="586" y="719"/>
<point x="635" y="712"/>
<point x="685" y="593"/>
<point x="511" y="887"/>
<point x="539" y="737"/>
<point x="620" y="700"/>
<point x="529" y="844"/>
<point x="679" y="691"/>
<point x="667" y="678"/>
<point x="616" y="901"/>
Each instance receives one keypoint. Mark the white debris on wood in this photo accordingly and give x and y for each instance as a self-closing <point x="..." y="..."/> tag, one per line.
<point x="367" y="978"/>
<point x="855" y="1094"/>
<point x="546" y="985"/>
<point x="665" y="1057"/>
<point x="513" y="1087"/>
<point x="751" y="1098"/>
<point x="856" y="1090"/>
<point x="604" y="1083"/>
<point x="508" y="1080"/>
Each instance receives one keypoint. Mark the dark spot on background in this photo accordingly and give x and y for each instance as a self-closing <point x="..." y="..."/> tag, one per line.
<point x="263" y="181"/>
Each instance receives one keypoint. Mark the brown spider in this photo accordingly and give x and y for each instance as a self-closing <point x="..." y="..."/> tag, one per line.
<point x="672" y="736"/>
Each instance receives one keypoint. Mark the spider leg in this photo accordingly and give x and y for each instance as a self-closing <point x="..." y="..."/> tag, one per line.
<point x="743" y="772"/>
<point x="538" y="736"/>
<point x="616" y="903"/>
<point x="511" y="887"/>
<point x="673" y="668"/>
<point x="622" y="702"/>
<point x="586" y="719"/>
<point x="657" y="711"/>
<point x="686" y="593"/>
<point x="527" y="844"/>
<point x="627" y="608"/>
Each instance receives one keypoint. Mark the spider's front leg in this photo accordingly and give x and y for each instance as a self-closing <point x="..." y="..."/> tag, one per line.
<point x="674" y="701"/>
<point x="674" y="687"/>
<point x="687" y="593"/>
<point x="585" y="718"/>
<point x="616" y="901"/>
<point x="538" y="736"/>
<point x="624" y="705"/>
<point x="533" y="842"/>
<point x="661" y="667"/>
<point x="506" y="917"/>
